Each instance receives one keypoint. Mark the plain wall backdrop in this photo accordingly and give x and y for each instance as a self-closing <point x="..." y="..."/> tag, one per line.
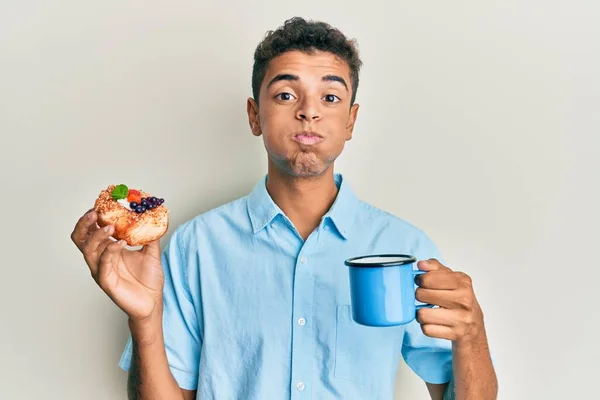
<point x="479" y="123"/>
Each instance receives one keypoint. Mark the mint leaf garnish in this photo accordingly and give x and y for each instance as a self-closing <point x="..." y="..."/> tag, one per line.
<point x="120" y="192"/>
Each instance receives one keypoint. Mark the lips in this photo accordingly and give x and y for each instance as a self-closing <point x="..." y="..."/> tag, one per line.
<point x="308" y="138"/>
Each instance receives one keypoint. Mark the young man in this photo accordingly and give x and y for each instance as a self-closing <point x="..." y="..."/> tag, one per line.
<point x="251" y="300"/>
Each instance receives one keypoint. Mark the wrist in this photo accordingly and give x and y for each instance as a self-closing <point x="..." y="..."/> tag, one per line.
<point x="147" y="330"/>
<point x="474" y="341"/>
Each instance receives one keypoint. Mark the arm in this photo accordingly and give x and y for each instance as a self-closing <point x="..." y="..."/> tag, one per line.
<point x="474" y="373"/>
<point x="468" y="362"/>
<point x="134" y="281"/>
<point x="459" y="319"/>
<point x="149" y="375"/>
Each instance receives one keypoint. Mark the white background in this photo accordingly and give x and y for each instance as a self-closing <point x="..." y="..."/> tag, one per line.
<point x="479" y="124"/>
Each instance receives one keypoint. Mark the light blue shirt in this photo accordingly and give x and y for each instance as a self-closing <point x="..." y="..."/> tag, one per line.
<point x="251" y="311"/>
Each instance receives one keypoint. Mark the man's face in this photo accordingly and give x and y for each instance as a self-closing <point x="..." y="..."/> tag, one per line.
<point x="304" y="116"/>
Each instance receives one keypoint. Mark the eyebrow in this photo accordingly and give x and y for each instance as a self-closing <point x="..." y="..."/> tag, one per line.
<point x="335" y="78"/>
<point x="283" y="77"/>
<point x="291" y="77"/>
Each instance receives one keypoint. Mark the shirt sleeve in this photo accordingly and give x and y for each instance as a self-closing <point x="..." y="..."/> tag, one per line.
<point x="181" y="331"/>
<point x="429" y="358"/>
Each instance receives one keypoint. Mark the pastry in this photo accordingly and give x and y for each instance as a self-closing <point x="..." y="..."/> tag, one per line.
<point x="137" y="217"/>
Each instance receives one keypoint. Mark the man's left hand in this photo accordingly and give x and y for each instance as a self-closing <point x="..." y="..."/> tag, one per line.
<point x="459" y="317"/>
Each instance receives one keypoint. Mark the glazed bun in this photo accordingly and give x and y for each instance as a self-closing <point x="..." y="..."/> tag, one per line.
<point x="138" y="217"/>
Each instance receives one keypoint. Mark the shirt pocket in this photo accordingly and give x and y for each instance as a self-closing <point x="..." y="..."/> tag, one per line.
<point x="364" y="354"/>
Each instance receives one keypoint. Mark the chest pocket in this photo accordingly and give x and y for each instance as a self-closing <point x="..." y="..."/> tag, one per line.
<point x="364" y="354"/>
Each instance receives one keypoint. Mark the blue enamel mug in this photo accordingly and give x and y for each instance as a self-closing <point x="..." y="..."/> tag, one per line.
<point x="382" y="289"/>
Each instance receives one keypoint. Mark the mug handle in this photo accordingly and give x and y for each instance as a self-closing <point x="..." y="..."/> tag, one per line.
<point x="419" y="306"/>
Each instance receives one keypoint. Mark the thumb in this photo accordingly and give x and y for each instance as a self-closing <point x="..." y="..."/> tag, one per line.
<point x="427" y="265"/>
<point x="432" y="265"/>
<point x="152" y="249"/>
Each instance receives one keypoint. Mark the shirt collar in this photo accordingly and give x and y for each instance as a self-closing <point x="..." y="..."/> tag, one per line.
<point x="262" y="209"/>
<point x="343" y="210"/>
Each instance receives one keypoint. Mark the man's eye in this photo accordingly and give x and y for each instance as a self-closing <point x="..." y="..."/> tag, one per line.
<point x="284" y="96"/>
<point x="331" y="98"/>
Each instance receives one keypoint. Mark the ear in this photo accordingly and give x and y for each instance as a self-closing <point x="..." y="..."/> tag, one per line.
<point x="253" y="117"/>
<point x="351" y="121"/>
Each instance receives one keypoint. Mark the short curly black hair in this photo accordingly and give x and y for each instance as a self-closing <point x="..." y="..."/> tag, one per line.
<point x="307" y="36"/>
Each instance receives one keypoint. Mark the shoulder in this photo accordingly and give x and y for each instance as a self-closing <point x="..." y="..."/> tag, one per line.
<point x="395" y="225"/>
<point x="370" y="212"/>
<point x="216" y="221"/>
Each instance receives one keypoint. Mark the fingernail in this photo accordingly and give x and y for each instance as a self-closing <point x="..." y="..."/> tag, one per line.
<point x="107" y="228"/>
<point x="90" y="214"/>
<point x="418" y="280"/>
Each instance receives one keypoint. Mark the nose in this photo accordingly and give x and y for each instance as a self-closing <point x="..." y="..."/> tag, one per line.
<point x="308" y="111"/>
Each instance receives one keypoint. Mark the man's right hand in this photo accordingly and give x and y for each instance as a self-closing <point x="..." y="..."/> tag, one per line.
<point x="132" y="279"/>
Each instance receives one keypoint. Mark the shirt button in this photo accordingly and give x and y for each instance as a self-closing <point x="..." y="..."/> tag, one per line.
<point x="303" y="260"/>
<point x="301" y="321"/>
<point x="326" y="227"/>
<point x="300" y="386"/>
<point x="273" y="225"/>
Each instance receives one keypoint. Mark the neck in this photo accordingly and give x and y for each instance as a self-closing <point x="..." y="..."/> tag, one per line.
<point x="304" y="200"/>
